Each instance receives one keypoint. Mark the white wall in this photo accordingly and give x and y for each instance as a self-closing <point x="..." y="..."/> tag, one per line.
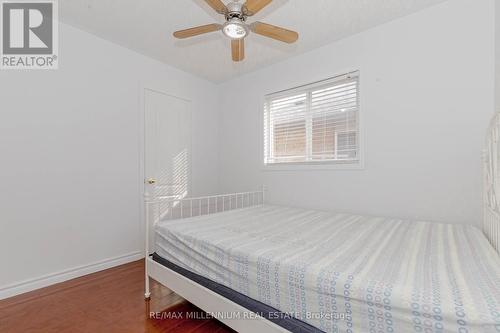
<point x="426" y="97"/>
<point x="497" y="56"/>
<point x="69" y="145"/>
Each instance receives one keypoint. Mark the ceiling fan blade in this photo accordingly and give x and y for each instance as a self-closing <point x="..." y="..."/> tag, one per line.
<point x="238" y="49"/>
<point x="197" y="31"/>
<point x="274" y="32"/>
<point x="217" y="5"/>
<point x="254" y="6"/>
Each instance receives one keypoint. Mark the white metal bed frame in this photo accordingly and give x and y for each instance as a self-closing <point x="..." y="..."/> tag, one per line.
<point x="165" y="208"/>
<point x="491" y="184"/>
<point x="157" y="208"/>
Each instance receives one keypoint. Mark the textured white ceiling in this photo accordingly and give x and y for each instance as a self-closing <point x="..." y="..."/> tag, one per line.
<point x="146" y="26"/>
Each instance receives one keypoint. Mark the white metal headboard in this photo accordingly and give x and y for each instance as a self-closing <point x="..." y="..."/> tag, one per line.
<point x="160" y="208"/>
<point x="491" y="184"/>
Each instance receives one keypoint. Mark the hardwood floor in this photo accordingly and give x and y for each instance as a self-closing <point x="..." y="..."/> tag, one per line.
<point x="109" y="301"/>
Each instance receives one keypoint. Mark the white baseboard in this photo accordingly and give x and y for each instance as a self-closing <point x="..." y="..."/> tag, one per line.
<point x="50" y="279"/>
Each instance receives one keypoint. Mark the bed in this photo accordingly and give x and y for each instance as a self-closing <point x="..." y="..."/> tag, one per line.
<point x="265" y="268"/>
<point x="339" y="272"/>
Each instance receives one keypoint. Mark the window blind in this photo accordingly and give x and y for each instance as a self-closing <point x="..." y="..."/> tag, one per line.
<point x="317" y="123"/>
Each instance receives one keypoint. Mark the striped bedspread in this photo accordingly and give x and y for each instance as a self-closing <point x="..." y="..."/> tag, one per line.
<point x="345" y="273"/>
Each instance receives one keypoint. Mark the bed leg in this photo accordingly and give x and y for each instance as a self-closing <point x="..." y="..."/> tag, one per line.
<point x="147" y="199"/>
<point x="147" y="292"/>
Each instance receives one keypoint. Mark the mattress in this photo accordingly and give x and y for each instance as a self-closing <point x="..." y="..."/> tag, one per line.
<point x="279" y="318"/>
<point x="345" y="273"/>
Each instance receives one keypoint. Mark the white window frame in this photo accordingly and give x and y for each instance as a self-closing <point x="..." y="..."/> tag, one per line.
<point x="315" y="165"/>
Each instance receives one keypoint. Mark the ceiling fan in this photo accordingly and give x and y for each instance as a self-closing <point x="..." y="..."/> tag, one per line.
<point x="236" y="27"/>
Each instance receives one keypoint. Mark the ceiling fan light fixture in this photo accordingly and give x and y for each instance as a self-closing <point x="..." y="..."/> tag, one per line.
<point x="235" y="29"/>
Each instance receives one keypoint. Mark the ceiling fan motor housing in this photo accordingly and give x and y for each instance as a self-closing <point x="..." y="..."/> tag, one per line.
<point x="235" y="10"/>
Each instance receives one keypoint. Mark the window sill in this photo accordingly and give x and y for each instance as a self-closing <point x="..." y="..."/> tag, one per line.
<point x="312" y="166"/>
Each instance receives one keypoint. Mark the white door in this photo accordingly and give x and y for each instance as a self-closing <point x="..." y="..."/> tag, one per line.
<point x="167" y="162"/>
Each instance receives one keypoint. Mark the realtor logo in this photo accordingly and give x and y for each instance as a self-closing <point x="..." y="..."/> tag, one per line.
<point x="29" y="34"/>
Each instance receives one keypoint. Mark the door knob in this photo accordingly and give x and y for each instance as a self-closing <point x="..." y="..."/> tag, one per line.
<point x="151" y="181"/>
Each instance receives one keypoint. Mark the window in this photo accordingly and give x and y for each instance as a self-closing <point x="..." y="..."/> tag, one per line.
<point x="314" y="124"/>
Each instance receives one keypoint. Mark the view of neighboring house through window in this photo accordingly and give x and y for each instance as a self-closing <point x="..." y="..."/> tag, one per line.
<point x="315" y="124"/>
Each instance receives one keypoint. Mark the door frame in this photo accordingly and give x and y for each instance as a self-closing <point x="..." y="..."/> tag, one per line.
<point x="161" y="89"/>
